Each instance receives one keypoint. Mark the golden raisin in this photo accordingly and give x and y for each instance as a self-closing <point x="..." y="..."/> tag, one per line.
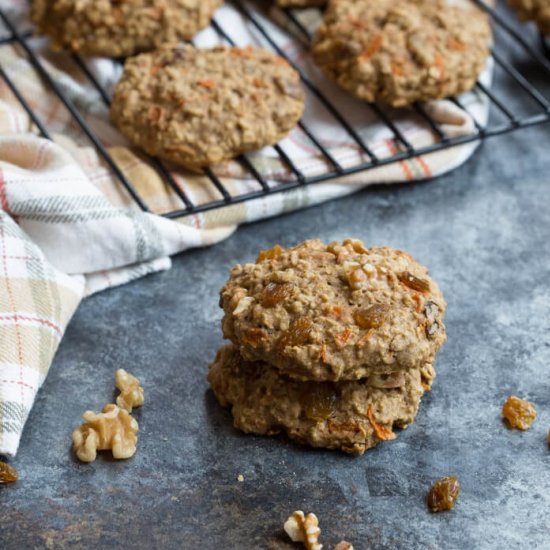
<point x="270" y="253"/>
<point x="275" y="293"/>
<point x="298" y="333"/>
<point x="518" y="413"/>
<point x="254" y="336"/>
<point x="443" y="494"/>
<point x="409" y="280"/>
<point x="7" y="473"/>
<point x="318" y="400"/>
<point x="371" y="317"/>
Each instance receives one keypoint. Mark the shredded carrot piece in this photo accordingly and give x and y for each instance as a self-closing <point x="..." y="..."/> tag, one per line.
<point x="365" y="337"/>
<point x="281" y="61"/>
<point x="155" y="69"/>
<point x="381" y="432"/>
<point x="397" y="69"/>
<point x="336" y="311"/>
<point x="440" y="64"/>
<point x="372" y="47"/>
<point x="456" y="44"/>
<point x="342" y="338"/>
<point x="206" y="83"/>
<point x="242" y="52"/>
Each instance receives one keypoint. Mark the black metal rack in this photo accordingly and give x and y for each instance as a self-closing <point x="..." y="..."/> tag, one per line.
<point x="510" y="41"/>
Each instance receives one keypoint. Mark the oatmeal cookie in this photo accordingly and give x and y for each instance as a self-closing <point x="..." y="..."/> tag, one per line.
<point x="534" y="10"/>
<point x="352" y="416"/>
<point x="336" y="312"/>
<point x="402" y="51"/>
<point x="115" y="28"/>
<point x="198" y="107"/>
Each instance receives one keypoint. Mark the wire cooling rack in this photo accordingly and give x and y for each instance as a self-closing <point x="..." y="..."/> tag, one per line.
<point x="522" y="79"/>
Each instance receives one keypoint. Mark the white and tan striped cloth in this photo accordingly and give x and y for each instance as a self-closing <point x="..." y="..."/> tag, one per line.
<point x="67" y="229"/>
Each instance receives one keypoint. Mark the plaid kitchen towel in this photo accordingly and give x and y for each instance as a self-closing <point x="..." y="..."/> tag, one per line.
<point x="68" y="229"/>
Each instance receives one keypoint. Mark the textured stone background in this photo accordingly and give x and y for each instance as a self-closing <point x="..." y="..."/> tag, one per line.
<point x="484" y="231"/>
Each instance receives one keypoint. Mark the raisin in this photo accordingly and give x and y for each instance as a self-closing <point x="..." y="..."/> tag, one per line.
<point x="519" y="413"/>
<point x="298" y="333"/>
<point x="372" y="317"/>
<point x="409" y="280"/>
<point x="443" y="494"/>
<point x="254" y="336"/>
<point x="7" y="473"/>
<point x="275" y="293"/>
<point x="318" y="400"/>
<point x="270" y="254"/>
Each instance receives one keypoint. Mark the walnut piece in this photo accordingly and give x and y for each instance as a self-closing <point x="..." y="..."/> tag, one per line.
<point x="131" y="392"/>
<point x="301" y="528"/>
<point x="113" y="429"/>
<point x="344" y="545"/>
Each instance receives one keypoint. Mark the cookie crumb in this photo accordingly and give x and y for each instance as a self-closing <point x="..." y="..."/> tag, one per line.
<point x="344" y="545"/>
<point x="302" y="528"/>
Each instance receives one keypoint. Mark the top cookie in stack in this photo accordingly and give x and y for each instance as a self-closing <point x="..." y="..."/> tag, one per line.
<point x="332" y="344"/>
<point x="336" y="312"/>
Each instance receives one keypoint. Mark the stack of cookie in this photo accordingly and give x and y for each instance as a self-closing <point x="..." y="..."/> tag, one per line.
<point x="333" y="345"/>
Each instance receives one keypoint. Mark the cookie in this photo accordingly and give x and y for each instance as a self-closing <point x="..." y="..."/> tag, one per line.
<point x="336" y="312"/>
<point x="198" y="107"/>
<point x="534" y="10"/>
<point x="351" y="416"/>
<point x="402" y="51"/>
<point x="115" y="28"/>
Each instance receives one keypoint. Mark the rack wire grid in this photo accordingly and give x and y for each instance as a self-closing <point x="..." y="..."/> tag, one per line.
<point x="522" y="77"/>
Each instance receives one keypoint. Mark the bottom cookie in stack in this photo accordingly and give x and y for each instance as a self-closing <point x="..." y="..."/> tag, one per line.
<point x="349" y="415"/>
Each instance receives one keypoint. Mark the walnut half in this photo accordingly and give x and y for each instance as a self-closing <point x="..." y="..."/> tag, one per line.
<point x="112" y="429"/>
<point x="302" y="528"/>
<point x="131" y="392"/>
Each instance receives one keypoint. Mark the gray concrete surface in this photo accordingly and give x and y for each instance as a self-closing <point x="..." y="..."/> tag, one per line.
<point x="483" y="230"/>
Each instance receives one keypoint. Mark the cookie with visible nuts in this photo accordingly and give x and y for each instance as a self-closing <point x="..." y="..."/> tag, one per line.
<point x="402" y="51"/>
<point x="199" y="107"/>
<point x="336" y="312"/>
<point x="534" y="10"/>
<point x="352" y="415"/>
<point x="113" y="28"/>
